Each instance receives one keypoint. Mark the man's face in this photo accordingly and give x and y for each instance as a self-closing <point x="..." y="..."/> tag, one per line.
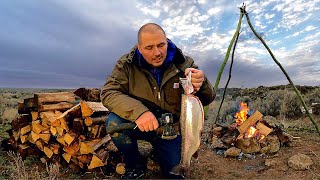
<point x="153" y="47"/>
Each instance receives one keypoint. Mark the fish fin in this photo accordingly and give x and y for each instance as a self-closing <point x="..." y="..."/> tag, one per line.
<point x="178" y="170"/>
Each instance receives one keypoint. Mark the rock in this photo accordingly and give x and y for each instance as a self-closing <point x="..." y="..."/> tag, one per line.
<point x="228" y="138"/>
<point x="271" y="162"/>
<point x="250" y="145"/>
<point x="285" y="138"/>
<point x="218" y="131"/>
<point x="264" y="150"/>
<point x="217" y="143"/>
<point x="300" y="162"/>
<point x="270" y="144"/>
<point x="233" y="152"/>
<point x="271" y="122"/>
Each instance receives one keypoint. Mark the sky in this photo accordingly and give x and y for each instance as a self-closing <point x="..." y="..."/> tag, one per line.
<point x="76" y="43"/>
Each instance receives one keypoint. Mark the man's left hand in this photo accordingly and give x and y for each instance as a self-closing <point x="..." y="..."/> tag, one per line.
<point x="197" y="78"/>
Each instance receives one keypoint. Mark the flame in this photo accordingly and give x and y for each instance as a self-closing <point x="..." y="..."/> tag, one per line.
<point x="251" y="132"/>
<point x="241" y="116"/>
<point x="262" y="137"/>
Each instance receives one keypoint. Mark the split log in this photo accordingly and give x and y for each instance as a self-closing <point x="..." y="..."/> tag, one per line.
<point x="121" y="168"/>
<point x="73" y="149"/>
<point x="15" y="135"/>
<point x="34" y="115"/>
<point x="34" y="136"/>
<point x="25" y="130"/>
<point x="249" y="122"/>
<point x="77" y="126"/>
<point x="263" y="129"/>
<point x="58" y="106"/>
<point x="20" y="122"/>
<point x="103" y="155"/>
<point x="85" y="148"/>
<point x="93" y="131"/>
<point x="67" y="157"/>
<point x="88" y="94"/>
<point x="60" y="131"/>
<point x="69" y="115"/>
<point x="54" y="101"/>
<point x="55" y="148"/>
<point x="43" y="98"/>
<point x="60" y="139"/>
<point x="23" y="150"/>
<point x="85" y="158"/>
<point x="95" y="162"/>
<point x="53" y="130"/>
<point x="24" y="138"/>
<point x="70" y="137"/>
<point x="45" y="137"/>
<point x="49" y="117"/>
<point x="88" y="121"/>
<point x="103" y="141"/>
<point x="91" y="108"/>
<point x="29" y="103"/>
<point x="63" y="124"/>
<point x="40" y="144"/>
<point x="48" y="152"/>
<point x="37" y="127"/>
<point x="22" y="109"/>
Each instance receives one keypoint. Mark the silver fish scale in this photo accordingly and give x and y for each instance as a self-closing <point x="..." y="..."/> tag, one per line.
<point x="191" y="122"/>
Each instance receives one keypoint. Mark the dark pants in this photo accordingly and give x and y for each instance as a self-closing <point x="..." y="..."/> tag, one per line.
<point x="167" y="151"/>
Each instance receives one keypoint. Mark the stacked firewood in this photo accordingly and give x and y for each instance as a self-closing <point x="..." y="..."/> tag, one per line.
<point x="62" y="128"/>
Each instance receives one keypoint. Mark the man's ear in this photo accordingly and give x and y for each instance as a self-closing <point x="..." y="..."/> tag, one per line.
<point x="138" y="45"/>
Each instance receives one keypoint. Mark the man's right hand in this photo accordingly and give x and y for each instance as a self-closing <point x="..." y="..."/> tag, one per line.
<point x="147" y="122"/>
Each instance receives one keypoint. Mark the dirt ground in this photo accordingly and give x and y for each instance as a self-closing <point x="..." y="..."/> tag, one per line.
<point x="210" y="165"/>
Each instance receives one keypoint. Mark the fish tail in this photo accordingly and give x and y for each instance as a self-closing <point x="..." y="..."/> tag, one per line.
<point x="181" y="171"/>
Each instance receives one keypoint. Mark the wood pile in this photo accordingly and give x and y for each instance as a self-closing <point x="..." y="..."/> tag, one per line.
<point x="62" y="129"/>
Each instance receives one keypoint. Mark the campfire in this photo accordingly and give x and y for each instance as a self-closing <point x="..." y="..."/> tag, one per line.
<point x="251" y="132"/>
<point x="250" y="127"/>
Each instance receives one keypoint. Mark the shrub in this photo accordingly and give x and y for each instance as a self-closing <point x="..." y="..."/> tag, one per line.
<point x="9" y="114"/>
<point x="273" y="102"/>
<point x="313" y="97"/>
<point x="290" y="105"/>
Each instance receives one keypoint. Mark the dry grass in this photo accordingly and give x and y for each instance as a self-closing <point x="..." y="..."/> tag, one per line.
<point x="53" y="171"/>
<point x="17" y="167"/>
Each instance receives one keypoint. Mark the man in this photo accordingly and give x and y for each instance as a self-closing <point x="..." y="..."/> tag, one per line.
<point x="145" y="84"/>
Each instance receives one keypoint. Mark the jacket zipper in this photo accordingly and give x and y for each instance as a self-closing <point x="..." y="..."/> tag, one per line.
<point x="159" y="95"/>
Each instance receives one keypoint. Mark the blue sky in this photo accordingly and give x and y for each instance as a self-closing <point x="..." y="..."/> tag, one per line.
<point x="75" y="43"/>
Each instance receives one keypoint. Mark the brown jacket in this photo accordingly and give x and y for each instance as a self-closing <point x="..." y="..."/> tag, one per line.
<point x="132" y="90"/>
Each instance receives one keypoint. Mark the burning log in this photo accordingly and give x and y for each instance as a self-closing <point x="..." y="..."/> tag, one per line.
<point x="252" y="120"/>
<point x="263" y="129"/>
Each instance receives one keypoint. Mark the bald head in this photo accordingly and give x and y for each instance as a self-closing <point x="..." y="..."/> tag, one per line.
<point x="149" y="28"/>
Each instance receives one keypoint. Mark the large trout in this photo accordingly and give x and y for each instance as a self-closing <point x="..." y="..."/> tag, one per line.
<point x="191" y="123"/>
